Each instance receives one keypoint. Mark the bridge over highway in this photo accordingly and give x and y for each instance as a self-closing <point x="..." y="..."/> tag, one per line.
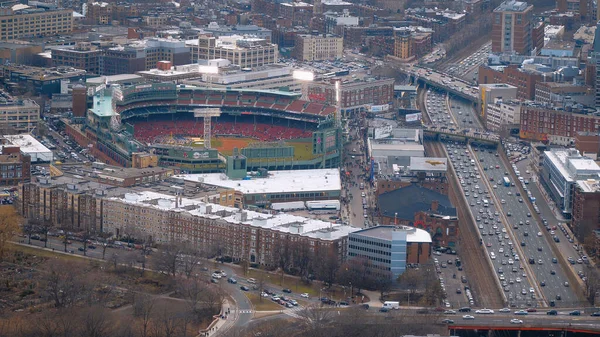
<point x="442" y="81"/>
<point x="432" y="132"/>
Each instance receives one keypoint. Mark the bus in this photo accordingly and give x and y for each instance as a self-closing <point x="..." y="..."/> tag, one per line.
<point x="506" y="181"/>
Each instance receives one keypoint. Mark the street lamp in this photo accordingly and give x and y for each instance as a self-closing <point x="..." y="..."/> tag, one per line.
<point x="395" y="218"/>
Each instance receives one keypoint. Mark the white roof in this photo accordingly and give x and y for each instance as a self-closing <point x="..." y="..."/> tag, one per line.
<point x="27" y="143"/>
<point x="281" y="222"/>
<point x="277" y="182"/>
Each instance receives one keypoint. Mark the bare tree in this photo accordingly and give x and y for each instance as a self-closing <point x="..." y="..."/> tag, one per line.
<point x="63" y="286"/>
<point x="410" y="279"/>
<point x="189" y="260"/>
<point x="44" y="227"/>
<point x="167" y="259"/>
<point x="143" y="309"/>
<point x="316" y="317"/>
<point x="9" y="226"/>
<point x="329" y="264"/>
<point x="95" y="321"/>
<point x="28" y="229"/>
<point x="282" y="255"/>
<point x="302" y="259"/>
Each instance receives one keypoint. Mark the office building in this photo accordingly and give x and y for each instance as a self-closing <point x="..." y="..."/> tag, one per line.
<point x="28" y="146"/>
<point x="582" y="9"/>
<point x="411" y="43"/>
<point x="318" y="47"/>
<point x="561" y="169"/>
<point x="512" y="28"/>
<point x="17" y="116"/>
<point x="336" y="23"/>
<point x="25" y="22"/>
<point x="81" y="56"/>
<point x="491" y="93"/>
<point x="267" y="77"/>
<point x="246" y="52"/>
<point x="19" y="52"/>
<point x="15" y="167"/>
<point x="524" y="79"/>
<point x="40" y="80"/>
<point x="79" y="101"/>
<point x="143" y="55"/>
<point x="503" y="114"/>
<point x="357" y="94"/>
<point x="242" y="30"/>
<point x="390" y="248"/>
<point x="555" y="126"/>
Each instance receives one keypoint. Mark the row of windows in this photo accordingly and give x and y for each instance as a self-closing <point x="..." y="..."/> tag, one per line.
<point x="369" y="250"/>
<point x="369" y="242"/>
<point x="371" y="258"/>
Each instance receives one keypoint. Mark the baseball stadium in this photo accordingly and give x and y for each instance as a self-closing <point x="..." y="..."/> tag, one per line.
<point x="196" y="129"/>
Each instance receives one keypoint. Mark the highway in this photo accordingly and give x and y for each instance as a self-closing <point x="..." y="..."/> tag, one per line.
<point x="469" y="65"/>
<point x="528" y="234"/>
<point x="492" y="230"/>
<point x="444" y="81"/>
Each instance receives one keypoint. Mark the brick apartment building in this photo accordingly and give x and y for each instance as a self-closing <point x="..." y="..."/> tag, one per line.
<point x="587" y="142"/>
<point x="525" y="81"/>
<point x="15" y="167"/>
<point x="556" y="126"/>
<point x="586" y="209"/>
<point x="512" y="27"/>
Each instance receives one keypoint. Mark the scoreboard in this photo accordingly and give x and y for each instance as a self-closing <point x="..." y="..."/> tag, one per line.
<point x="325" y="141"/>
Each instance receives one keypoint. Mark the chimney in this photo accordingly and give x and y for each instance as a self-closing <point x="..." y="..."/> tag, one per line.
<point x="434" y="205"/>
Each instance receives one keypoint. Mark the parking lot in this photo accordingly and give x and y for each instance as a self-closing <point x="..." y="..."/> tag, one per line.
<point x="453" y="279"/>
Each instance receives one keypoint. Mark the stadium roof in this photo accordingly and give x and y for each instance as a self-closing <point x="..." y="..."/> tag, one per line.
<point x="278" y="181"/>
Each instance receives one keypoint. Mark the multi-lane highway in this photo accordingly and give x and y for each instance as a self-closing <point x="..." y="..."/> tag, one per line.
<point x="510" y="275"/>
<point x="467" y="67"/>
<point x="506" y="226"/>
<point x="549" y="275"/>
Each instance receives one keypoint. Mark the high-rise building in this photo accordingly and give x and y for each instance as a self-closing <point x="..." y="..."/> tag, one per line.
<point x="586" y="208"/>
<point x="512" y="28"/>
<point x="25" y="21"/>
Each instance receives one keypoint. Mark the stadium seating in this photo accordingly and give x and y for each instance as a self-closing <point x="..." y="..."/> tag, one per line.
<point x="175" y="131"/>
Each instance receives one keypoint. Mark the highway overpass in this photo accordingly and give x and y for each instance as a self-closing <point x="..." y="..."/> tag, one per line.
<point x="442" y="81"/>
<point x="470" y="136"/>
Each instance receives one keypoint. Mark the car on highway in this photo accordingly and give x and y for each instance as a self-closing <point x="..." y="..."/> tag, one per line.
<point x="468" y="317"/>
<point x="447" y="321"/>
<point x="575" y="313"/>
<point x="244" y="288"/>
<point x="449" y="312"/>
<point x="521" y="312"/>
<point x="464" y="309"/>
<point x="286" y="290"/>
<point x="552" y="313"/>
<point x="595" y="314"/>
<point x="484" y="311"/>
<point x="516" y="321"/>
<point x="304" y="295"/>
<point x="504" y="310"/>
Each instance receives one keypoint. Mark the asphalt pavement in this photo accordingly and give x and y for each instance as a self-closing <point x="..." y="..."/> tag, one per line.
<point x="528" y="234"/>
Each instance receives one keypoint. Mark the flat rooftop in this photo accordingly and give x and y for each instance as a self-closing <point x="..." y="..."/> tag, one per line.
<point x="277" y="182"/>
<point x="27" y="143"/>
<point x="589" y="186"/>
<point x="285" y="223"/>
<point x="512" y="6"/>
<point x="428" y="164"/>
<point x="385" y="233"/>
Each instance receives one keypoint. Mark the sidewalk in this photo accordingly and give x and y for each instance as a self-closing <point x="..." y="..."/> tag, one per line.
<point x="223" y="322"/>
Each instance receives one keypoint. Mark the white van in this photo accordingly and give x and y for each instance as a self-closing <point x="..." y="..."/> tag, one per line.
<point x="492" y="255"/>
<point x="391" y="305"/>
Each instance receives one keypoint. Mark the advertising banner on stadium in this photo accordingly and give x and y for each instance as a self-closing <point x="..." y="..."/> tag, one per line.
<point x="413" y="118"/>
<point x="379" y="108"/>
<point x="383" y="132"/>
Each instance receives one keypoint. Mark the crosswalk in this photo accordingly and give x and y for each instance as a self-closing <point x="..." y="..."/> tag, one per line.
<point x="246" y="311"/>
<point x="293" y="312"/>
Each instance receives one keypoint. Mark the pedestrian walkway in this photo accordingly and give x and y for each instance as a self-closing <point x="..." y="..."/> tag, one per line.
<point x="222" y="322"/>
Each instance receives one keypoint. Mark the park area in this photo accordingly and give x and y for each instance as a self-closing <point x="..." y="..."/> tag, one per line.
<point x="44" y="292"/>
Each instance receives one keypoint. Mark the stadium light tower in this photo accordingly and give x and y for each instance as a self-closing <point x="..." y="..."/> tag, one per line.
<point x="207" y="114"/>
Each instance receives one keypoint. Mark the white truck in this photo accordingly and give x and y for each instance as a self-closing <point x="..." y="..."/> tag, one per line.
<point x="391" y="305"/>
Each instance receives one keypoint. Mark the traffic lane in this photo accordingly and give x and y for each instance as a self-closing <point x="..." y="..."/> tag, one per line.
<point x="242" y="302"/>
<point x="480" y="154"/>
<point x="492" y="243"/>
<point x="451" y="283"/>
<point x="520" y="211"/>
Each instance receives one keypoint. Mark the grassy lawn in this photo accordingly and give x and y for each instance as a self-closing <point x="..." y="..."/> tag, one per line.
<point x="43" y="253"/>
<point x="265" y="305"/>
